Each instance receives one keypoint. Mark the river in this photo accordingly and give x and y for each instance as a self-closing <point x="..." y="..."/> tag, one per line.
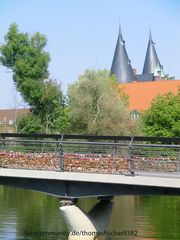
<point x="26" y="215"/>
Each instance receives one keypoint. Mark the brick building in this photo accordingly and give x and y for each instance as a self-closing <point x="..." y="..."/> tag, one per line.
<point x="8" y="118"/>
<point x="141" y="94"/>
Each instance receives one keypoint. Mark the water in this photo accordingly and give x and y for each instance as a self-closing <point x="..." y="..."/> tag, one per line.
<point x="24" y="214"/>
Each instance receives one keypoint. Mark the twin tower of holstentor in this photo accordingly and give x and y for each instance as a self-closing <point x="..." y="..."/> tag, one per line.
<point x="121" y="65"/>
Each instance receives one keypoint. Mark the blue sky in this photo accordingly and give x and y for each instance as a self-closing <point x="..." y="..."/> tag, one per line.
<point x="83" y="33"/>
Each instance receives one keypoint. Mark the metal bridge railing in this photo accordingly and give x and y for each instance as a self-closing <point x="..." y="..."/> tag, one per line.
<point x="94" y="154"/>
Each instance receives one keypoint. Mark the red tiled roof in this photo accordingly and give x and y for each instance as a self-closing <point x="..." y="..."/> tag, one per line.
<point x="141" y="94"/>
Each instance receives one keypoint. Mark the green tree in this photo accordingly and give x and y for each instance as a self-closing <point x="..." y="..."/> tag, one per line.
<point x="26" y="57"/>
<point x="30" y="123"/>
<point x="97" y="106"/>
<point x="163" y="117"/>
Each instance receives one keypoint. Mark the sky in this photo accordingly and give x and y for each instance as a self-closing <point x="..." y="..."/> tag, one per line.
<point x="82" y="35"/>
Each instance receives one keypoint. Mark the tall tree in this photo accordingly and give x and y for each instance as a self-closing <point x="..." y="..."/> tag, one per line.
<point x="97" y="106"/>
<point x="163" y="117"/>
<point x="26" y="57"/>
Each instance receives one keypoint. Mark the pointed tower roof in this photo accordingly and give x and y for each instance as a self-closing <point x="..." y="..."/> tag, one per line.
<point x="152" y="63"/>
<point x="121" y="65"/>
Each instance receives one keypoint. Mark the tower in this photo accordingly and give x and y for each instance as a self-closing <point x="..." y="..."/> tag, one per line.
<point x="121" y="65"/>
<point x="152" y="64"/>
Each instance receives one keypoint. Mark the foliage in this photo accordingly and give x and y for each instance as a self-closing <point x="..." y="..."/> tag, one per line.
<point x="97" y="106"/>
<point x="30" y="123"/>
<point x="163" y="117"/>
<point x="25" y="56"/>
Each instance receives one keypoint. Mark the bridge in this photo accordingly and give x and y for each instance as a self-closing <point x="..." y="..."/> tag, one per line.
<point x="74" y="166"/>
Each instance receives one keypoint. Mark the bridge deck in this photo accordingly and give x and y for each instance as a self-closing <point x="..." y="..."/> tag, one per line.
<point x="171" y="180"/>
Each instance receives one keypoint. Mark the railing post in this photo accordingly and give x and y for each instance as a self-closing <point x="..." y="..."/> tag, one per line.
<point x="178" y="162"/>
<point x="56" y="148"/>
<point x="131" y="162"/>
<point x="61" y="154"/>
<point x="115" y="149"/>
<point x="114" y="153"/>
<point x="3" y="144"/>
